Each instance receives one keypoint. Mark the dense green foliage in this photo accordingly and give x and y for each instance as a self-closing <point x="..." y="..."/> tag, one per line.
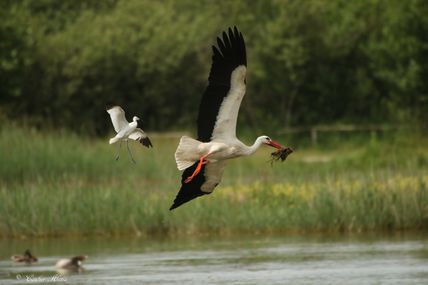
<point x="310" y="62"/>
<point x="55" y="184"/>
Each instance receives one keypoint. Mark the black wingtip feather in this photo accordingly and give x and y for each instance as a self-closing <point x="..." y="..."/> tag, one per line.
<point x="191" y="190"/>
<point x="216" y="52"/>
<point x="226" y="42"/>
<point x="110" y="105"/>
<point x="221" y="45"/>
<point x="146" y="142"/>
<point x="230" y="54"/>
<point x="231" y="35"/>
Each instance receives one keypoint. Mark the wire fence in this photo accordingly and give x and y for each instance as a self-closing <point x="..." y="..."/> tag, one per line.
<point x="316" y="131"/>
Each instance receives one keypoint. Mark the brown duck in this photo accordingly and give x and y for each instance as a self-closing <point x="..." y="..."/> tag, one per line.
<point x="27" y="257"/>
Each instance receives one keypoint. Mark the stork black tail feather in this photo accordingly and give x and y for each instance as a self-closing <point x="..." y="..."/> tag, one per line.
<point x="191" y="190"/>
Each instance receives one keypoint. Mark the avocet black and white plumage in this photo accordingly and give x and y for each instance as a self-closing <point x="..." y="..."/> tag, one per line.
<point x="203" y="160"/>
<point x="126" y="130"/>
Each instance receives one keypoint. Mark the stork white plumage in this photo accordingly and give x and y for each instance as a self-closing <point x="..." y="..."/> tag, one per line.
<point x="126" y="130"/>
<point x="203" y="160"/>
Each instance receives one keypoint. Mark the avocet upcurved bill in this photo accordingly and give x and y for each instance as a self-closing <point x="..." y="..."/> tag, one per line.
<point x="204" y="159"/>
<point x="126" y="130"/>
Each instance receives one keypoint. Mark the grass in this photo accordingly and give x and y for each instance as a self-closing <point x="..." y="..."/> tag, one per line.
<point x="55" y="184"/>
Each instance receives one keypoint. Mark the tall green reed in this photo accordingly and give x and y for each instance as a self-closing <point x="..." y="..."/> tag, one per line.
<point x="57" y="183"/>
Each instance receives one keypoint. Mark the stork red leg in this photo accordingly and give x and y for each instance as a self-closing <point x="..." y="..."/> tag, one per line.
<point x="202" y="161"/>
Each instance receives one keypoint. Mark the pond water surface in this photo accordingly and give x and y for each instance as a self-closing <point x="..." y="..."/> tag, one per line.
<point x="285" y="259"/>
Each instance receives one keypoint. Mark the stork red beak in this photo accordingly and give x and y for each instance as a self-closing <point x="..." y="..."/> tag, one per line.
<point x="274" y="144"/>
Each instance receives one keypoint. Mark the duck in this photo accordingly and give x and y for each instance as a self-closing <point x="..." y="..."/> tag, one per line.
<point x="72" y="264"/>
<point x="26" y="258"/>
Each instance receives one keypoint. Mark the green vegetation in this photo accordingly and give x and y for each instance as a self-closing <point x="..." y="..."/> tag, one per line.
<point x="310" y="62"/>
<point x="54" y="184"/>
<point x="320" y="62"/>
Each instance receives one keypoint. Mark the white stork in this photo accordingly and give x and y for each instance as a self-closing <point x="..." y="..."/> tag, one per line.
<point x="126" y="130"/>
<point x="204" y="159"/>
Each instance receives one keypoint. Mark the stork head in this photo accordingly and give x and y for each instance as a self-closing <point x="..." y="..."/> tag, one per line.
<point x="267" y="140"/>
<point x="135" y="118"/>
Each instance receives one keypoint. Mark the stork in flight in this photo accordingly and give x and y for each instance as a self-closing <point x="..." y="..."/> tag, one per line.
<point x="126" y="130"/>
<point x="203" y="160"/>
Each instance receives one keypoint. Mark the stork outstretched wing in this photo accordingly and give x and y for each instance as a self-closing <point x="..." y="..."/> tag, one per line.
<point x="218" y="111"/>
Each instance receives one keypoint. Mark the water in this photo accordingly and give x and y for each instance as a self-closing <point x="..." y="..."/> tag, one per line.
<point x="365" y="259"/>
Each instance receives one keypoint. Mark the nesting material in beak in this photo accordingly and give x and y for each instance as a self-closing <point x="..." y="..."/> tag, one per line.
<point x="282" y="153"/>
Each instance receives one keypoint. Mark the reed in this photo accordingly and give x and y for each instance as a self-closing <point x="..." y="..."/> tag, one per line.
<point x="54" y="184"/>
